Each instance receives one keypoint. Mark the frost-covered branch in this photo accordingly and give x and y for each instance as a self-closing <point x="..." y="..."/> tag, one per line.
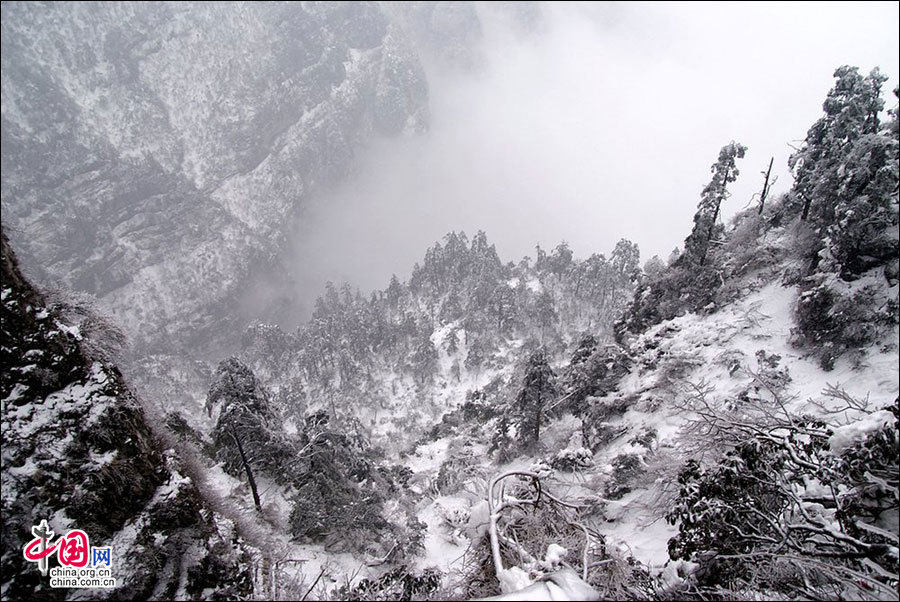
<point x="514" y="578"/>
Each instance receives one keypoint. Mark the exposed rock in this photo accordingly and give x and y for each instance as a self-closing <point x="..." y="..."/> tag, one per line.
<point x="78" y="452"/>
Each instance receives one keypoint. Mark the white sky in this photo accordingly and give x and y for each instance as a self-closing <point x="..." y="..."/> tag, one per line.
<point x="602" y="127"/>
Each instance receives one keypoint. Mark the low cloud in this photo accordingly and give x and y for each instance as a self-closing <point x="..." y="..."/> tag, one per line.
<point x="600" y="126"/>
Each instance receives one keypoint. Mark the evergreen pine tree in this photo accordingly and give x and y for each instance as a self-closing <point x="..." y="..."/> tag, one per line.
<point x="424" y="361"/>
<point x="244" y="435"/>
<point x="538" y="391"/>
<point x="851" y="111"/>
<point x="393" y="293"/>
<point x="476" y="354"/>
<point x="696" y="246"/>
<point x="502" y="306"/>
<point x="452" y="341"/>
<point x="544" y="312"/>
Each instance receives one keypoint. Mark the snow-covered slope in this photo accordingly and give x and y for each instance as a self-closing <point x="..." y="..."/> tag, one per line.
<point x="741" y="352"/>
<point x="739" y="360"/>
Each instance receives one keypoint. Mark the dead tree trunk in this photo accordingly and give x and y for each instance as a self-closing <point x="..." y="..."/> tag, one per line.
<point x="247" y="468"/>
<point x="806" y="203"/>
<point x="765" y="190"/>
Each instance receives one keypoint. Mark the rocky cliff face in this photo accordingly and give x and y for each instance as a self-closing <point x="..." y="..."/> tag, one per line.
<point x="152" y="154"/>
<point x="78" y="452"/>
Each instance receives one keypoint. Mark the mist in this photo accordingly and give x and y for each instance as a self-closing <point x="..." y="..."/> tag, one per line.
<point x="600" y="125"/>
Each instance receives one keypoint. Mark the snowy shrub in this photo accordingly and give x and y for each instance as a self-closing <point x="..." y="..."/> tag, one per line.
<point x="645" y="438"/>
<point x="570" y="460"/>
<point x="535" y="532"/>
<point x="836" y="316"/>
<point x="870" y="471"/>
<point x="745" y="250"/>
<point x="99" y="334"/>
<point x="625" y="468"/>
<point x="714" y="502"/>
<point x="770" y="370"/>
<point x="731" y="360"/>
<point x="480" y="406"/>
<point x="594" y="507"/>
<point x="401" y="583"/>
<point x="598" y="435"/>
<point x="769" y="380"/>
<point x="455" y="515"/>
<point x="781" y="512"/>
<point x="455" y="471"/>
<point x="676" y="366"/>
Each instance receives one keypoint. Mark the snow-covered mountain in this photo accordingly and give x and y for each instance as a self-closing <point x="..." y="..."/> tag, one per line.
<point x="720" y="425"/>
<point x="153" y="153"/>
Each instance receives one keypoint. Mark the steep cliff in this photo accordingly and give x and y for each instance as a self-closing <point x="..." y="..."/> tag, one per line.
<point x="79" y="453"/>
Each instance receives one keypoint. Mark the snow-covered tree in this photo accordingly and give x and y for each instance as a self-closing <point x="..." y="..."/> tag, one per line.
<point x="579" y="377"/>
<point x="501" y="442"/>
<point x="393" y="293"/>
<point x="245" y="435"/>
<point x="502" y="306"/>
<point x="477" y="353"/>
<point x="560" y="259"/>
<point x="724" y="171"/>
<point x="540" y="263"/>
<point x="538" y="391"/>
<point x="625" y="260"/>
<point x="846" y="174"/>
<point x="451" y="309"/>
<point x="451" y="340"/>
<point x="543" y="311"/>
<point x="424" y="361"/>
<point x="654" y="266"/>
<point x="863" y="234"/>
<point x="851" y="111"/>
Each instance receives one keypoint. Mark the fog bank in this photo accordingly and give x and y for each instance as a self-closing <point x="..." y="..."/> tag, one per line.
<point x="599" y="126"/>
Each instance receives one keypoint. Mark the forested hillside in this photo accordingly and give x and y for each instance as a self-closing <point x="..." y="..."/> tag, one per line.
<point x="720" y="423"/>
